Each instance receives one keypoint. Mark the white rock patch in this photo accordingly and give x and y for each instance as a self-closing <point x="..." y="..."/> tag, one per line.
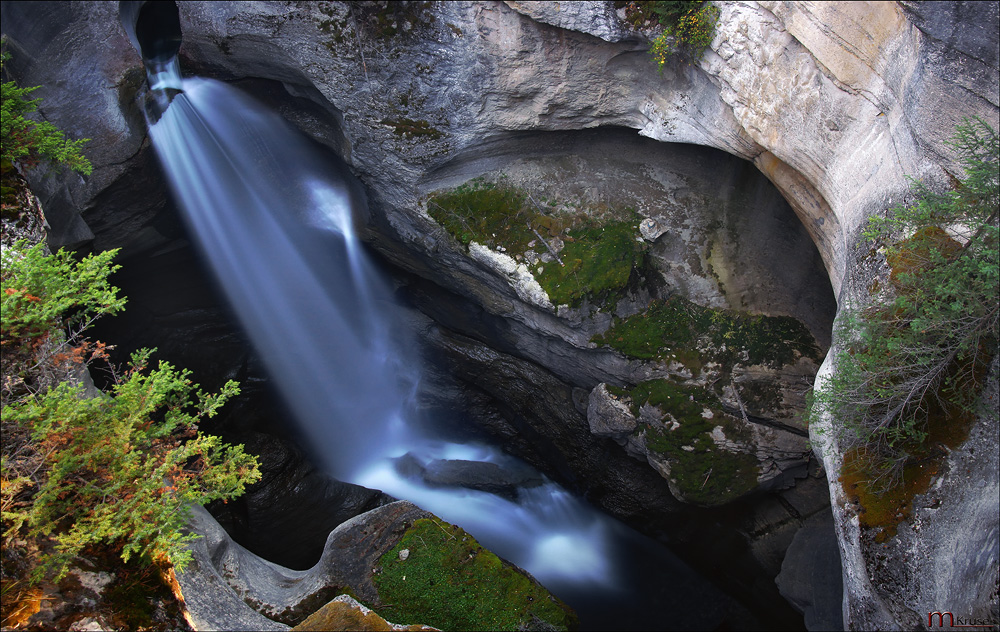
<point x="517" y="274"/>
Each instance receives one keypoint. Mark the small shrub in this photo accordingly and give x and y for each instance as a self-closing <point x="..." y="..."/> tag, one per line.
<point x="689" y="30"/>
<point x="48" y="301"/>
<point x="119" y="469"/>
<point x="122" y="469"/>
<point x="911" y="367"/>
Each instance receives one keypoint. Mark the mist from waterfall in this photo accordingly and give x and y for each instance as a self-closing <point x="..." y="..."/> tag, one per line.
<point x="274" y="217"/>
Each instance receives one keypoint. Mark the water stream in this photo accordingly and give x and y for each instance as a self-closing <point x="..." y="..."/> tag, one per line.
<point x="275" y="219"/>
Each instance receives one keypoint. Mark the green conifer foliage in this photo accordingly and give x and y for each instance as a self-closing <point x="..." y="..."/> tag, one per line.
<point x="119" y="469"/>
<point x="30" y="142"/>
<point x="911" y="368"/>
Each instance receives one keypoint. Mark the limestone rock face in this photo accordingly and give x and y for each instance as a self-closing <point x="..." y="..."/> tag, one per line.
<point x="951" y="534"/>
<point x="227" y="587"/>
<point x="835" y="103"/>
<point x="117" y="130"/>
<point x="607" y="415"/>
<point x="594" y="18"/>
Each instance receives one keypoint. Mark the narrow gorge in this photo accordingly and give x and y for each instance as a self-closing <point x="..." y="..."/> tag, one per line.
<point x="624" y="280"/>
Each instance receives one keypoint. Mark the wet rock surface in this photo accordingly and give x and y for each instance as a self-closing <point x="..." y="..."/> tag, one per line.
<point x="529" y="411"/>
<point x="228" y="588"/>
<point x="503" y="480"/>
<point x="811" y="575"/>
<point x="293" y="496"/>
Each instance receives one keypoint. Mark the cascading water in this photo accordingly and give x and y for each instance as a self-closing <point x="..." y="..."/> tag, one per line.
<point x="274" y="218"/>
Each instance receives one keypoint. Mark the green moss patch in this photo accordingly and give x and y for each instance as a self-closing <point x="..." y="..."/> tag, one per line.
<point x="598" y="261"/>
<point x="677" y="329"/>
<point x="451" y="582"/>
<point x="408" y="128"/>
<point x="681" y="401"/>
<point x="496" y="216"/>
<point x="704" y="473"/>
<point x="600" y="252"/>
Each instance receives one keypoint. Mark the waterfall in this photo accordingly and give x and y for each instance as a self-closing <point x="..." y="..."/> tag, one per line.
<point x="274" y="223"/>
<point x="275" y="219"/>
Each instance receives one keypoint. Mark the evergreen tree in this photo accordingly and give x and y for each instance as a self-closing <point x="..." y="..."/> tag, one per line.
<point x="915" y="362"/>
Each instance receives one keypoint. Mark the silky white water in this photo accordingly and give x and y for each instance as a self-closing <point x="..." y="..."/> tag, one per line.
<point x="274" y="217"/>
<point x="275" y="220"/>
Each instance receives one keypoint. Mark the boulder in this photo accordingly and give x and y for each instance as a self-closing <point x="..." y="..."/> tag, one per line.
<point x="715" y="433"/>
<point x="607" y="415"/>
<point x="504" y="479"/>
<point x="345" y="613"/>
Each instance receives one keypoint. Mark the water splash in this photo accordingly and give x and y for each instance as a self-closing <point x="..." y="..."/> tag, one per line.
<point x="163" y="75"/>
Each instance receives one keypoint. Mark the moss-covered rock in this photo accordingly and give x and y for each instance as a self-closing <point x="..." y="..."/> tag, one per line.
<point x="678" y="329"/>
<point x="438" y="574"/>
<point x="574" y="255"/>
<point x="704" y="452"/>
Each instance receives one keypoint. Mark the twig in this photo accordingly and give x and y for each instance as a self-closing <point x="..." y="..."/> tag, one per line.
<point x="542" y="239"/>
<point x="443" y="529"/>
<point x="357" y="35"/>
<point x="739" y="401"/>
<point x="547" y="246"/>
<point x="454" y="215"/>
<point x="705" y="482"/>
